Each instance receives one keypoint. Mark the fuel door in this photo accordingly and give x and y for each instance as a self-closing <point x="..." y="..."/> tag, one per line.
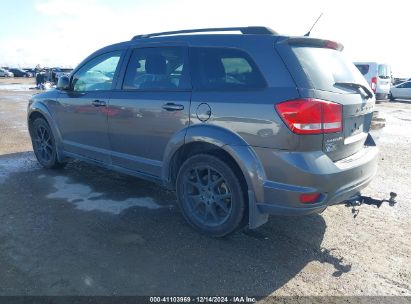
<point x="203" y="112"/>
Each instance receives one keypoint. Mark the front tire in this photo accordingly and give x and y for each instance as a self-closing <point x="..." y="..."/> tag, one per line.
<point x="44" y="144"/>
<point x="210" y="195"/>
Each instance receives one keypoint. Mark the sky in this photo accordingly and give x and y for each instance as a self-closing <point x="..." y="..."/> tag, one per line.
<point x="63" y="32"/>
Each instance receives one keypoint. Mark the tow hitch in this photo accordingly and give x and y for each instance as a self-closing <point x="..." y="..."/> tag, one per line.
<point x="359" y="200"/>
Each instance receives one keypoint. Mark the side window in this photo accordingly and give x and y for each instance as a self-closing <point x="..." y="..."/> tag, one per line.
<point x="224" y="69"/>
<point x="97" y="74"/>
<point x="407" y="85"/>
<point x="363" y="68"/>
<point x="156" y="69"/>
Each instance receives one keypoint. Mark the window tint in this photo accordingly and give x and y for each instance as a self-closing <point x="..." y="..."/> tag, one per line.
<point x="97" y="74"/>
<point x="156" y="69"/>
<point x="224" y="69"/>
<point x="324" y="67"/>
<point x="363" y="68"/>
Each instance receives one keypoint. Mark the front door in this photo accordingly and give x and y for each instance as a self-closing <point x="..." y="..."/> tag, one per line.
<point x="150" y="107"/>
<point x="82" y="110"/>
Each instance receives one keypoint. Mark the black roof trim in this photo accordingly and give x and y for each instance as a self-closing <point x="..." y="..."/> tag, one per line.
<point x="253" y="30"/>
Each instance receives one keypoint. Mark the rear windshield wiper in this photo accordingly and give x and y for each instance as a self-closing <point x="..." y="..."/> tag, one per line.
<point x="357" y="86"/>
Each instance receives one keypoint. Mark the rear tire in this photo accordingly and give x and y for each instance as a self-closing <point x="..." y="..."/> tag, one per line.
<point x="44" y="144"/>
<point x="210" y="195"/>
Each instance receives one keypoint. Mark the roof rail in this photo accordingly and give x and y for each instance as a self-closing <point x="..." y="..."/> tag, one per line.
<point x="254" y="30"/>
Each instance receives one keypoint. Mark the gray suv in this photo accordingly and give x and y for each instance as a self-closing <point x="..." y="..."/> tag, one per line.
<point x="240" y="125"/>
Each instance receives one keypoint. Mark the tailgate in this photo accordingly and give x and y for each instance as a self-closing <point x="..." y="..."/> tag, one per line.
<point x="357" y="116"/>
<point x="318" y="68"/>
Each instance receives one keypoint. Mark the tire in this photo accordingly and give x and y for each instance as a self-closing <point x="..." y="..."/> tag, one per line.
<point x="210" y="195"/>
<point x="392" y="98"/>
<point x="44" y="145"/>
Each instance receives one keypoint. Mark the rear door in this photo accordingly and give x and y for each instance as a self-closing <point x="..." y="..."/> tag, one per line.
<point x="399" y="90"/>
<point x="318" y="67"/>
<point x="149" y="107"/>
<point x="406" y="91"/>
<point x="383" y="79"/>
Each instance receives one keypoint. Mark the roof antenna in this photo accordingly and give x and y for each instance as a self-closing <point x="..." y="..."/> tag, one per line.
<point x="309" y="32"/>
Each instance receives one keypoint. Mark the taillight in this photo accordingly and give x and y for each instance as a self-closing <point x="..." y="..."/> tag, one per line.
<point x="311" y="116"/>
<point x="374" y="83"/>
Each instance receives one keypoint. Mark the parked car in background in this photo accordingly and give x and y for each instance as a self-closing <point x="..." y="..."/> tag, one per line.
<point x="20" y="73"/>
<point x="32" y="72"/>
<point x="397" y="80"/>
<point x="5" y="73"/>
<point x="209" y="117"/>
<point x="56" y="73"/>
<point x="402" y="90"/>
<point x="63" y="71"/>
<point x="378" y="77"/>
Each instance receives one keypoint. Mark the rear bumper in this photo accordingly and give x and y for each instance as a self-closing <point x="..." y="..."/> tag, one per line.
<point x="290" y="174"/>
<point x="381" y="96"/>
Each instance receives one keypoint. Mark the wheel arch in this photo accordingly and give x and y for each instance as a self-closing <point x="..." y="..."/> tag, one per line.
<point x="223" y="143"/>
<point x="40" y="110"/>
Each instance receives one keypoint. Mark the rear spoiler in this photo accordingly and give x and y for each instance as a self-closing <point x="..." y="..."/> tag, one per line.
<point x="313" y="42"/>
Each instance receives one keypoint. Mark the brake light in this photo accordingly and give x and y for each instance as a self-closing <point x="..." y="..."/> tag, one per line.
<point x="309" y="198"/>
<point x="374" y="83"/>
<point x="311" y="116"/>
<point x="333" y="45"/>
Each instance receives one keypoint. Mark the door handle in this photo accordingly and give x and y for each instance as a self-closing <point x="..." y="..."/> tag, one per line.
<point x="173" y="107"/>
<point x="98" y="103"/>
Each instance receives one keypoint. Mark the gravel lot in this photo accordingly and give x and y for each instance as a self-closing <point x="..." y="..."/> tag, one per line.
<point x="87" y="231"/>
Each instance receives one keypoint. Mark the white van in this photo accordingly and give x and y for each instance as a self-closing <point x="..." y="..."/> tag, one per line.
<point x="378" y="76"/>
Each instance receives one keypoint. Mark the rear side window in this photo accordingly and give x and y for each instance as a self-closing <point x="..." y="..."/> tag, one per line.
<point x="156" y="69"/>
<point x="363" y="68"/>
<point x="224" y="69"/>
<point x="324" y="67"/>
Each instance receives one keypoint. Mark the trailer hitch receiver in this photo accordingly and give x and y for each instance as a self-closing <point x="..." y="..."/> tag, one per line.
<point x="359" y="200"/>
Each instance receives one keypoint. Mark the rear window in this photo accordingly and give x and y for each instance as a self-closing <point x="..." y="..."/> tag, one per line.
<point x="363" y="68"/>
<point x="324" y="67"/>
<point x="384" y="71"/>
<point x="224" y="69"/>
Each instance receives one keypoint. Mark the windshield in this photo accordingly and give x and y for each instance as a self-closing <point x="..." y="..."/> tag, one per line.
<point x="325" y="67"/>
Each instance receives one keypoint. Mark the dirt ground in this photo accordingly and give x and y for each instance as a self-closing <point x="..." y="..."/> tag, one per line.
<point x="87" y="231"/>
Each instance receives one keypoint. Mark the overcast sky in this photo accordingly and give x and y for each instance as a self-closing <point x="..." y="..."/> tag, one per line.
<point x="63" y="32"/>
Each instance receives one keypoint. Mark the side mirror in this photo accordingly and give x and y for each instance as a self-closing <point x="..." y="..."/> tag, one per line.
<point x="63" y="83"/>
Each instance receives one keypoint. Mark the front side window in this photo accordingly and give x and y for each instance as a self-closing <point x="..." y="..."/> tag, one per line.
<point x="156" y="69"/>
<point x="97" y="74"/>
<point x="224" y="69"/>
